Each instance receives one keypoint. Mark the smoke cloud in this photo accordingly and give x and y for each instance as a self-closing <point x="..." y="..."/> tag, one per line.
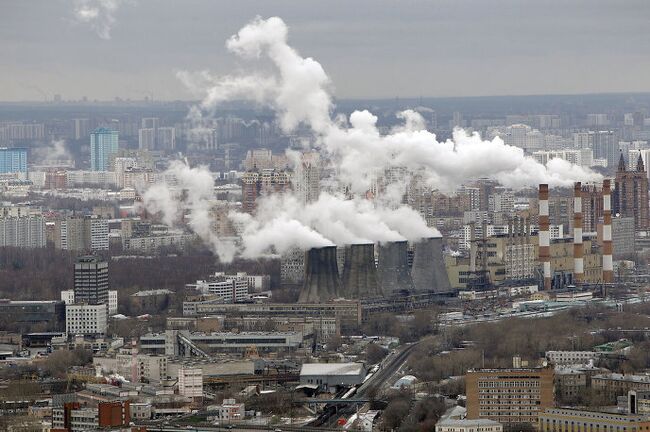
<point x="191" y="198"/>
<point x="54" y="152"/>
<point x="298" y="91"/>
<point x="98" y="14"/>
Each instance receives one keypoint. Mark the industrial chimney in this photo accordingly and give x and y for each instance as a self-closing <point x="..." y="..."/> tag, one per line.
<point x="429" y="272"/>
<point x="321" y="276"/>
<point x="578" y="260"/>
<point x="393" y="270"/>
<point x="544" y="236"/>
<point x="608" y="265"/>
<point x="359" y="272"/>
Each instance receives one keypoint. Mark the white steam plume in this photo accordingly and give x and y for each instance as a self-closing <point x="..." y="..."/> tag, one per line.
<point x="54" y="152"/>
<point x="193" y="194"/>
<point x="298" y="92"/>
<point x="99" y="14"/>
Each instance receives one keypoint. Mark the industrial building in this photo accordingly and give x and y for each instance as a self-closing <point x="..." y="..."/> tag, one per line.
<point x="573" y="420"/>
<point x="331" y="376"/>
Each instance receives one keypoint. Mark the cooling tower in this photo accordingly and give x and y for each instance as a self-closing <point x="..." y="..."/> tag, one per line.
<point x="393" y="269"/>
<point x="322" y="281"/>
<point x="429" y="272"/>
<point x="359" y="272"/>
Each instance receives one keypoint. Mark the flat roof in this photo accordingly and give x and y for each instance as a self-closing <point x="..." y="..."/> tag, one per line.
<point x="331" y="369"/>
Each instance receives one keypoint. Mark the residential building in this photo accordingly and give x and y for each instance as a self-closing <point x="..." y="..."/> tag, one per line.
<point x="81" y="234"/>
<point x="72" y="417"/>
<point x="258" y="183"/>
<point x="166" y="139"/>
<point x="25" y="230"/>
<point x="509" y="396"/>
<point x="103" y="147"/>
<point x="13" y="161"/>
<point x="230" y="288"/>
<point x="229" y="411"/>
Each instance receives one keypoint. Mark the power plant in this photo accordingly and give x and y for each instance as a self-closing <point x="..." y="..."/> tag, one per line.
<point x="322" y="281"/>
<point x="359" y="272"/>
<point x="393" y="270"/>
<point x="429" y="272"/>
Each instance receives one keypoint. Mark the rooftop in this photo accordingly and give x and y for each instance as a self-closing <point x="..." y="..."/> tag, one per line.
<point x="332" y="369"/>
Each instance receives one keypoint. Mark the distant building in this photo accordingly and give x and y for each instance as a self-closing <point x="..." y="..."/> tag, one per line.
<point x="13" y="161"/>
<point x="25" y="229"/>
<point x="166" y="139"/>
<point x="147" y="139"/>
<point x="48" y="312"/>
<point x="230" y="289"/>
<point x="103" y="147"/>
<point x="523" y="394"/>
<point x="258" y="183"/>
<point x="229" y="410"/>
<point x="81" y="234"/>
<point x="613" y="384"/>
<point x="630" y="196"/>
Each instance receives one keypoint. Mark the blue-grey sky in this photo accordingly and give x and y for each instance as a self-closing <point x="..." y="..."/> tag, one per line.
<point x="370" y="48"/>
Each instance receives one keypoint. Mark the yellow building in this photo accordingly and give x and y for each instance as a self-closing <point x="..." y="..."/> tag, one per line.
<point x="569" y="420"/>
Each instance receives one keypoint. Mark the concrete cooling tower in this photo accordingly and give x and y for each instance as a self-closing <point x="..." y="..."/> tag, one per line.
<point x="322" y="281"/>
<point x="393" y="269"/>
<point x="359" y="272"/>
<point x="429" y="272"/>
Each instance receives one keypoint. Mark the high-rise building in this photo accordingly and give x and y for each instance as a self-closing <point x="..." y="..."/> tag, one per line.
<point x="103" y="147"/>
<point x="150" y="122"/>
<point x="80" y="128"/>
<point x="256" y="183"/>
<point x="147" y="139"/>
<point x="306" y="178"/>
<point x="91" y="280"/>
<point x="21" y="227"/>
<point x="13" y="160"/>
<point x="630" y="197"/>
<point x="166" y="138"/>
<point x="86" y="319"/>
<point x="81" y="234"/>
<point x="605" y="146"/>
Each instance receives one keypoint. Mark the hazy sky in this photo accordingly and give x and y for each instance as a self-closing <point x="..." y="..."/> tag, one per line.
<point x="370" y="48"/>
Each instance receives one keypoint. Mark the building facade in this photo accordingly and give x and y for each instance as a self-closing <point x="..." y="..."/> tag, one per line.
<point x="91" y="280"/>
<point x="630" y="197"/>
<point x="103" y="147"/>
<point x="509" y="396"/>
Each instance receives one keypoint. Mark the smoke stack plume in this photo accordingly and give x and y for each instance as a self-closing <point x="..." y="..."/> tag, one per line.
<point x="608" y="265"/>
<point x="359" y="272"/>
<point x="429" y="272"/>
<point x="544" y="236"/>
<point x="321" y="276"/>
<point x="393" y="269"/>
<point x="578" y="260"/>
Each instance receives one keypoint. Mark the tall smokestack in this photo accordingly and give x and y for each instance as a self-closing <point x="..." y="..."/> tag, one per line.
<point x="359" y="272"/>
<point x="608" y="264"/>
<point x="393" y="269"/>
<point x="429" y="272"/>
<point x="544" y="236"/>
<point x="321" y="276"/>
<point x="578" y="260"/>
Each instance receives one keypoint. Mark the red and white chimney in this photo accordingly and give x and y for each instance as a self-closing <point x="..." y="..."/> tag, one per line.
<point x="608" y="262"/>
<point x="544" y="236"/>
<point x="578" y="260"/>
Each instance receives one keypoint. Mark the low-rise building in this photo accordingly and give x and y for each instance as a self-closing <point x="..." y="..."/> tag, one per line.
<point x="190" y="382"/>
<point x="613" y="385"/>
<point x="330" y="376"/>
<point x="228" y="411"/>
<point x="570" y="420"/>
<point x="465" y="425"/>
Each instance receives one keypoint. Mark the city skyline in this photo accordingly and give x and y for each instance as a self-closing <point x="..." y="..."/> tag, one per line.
<point x="451" y="49"/>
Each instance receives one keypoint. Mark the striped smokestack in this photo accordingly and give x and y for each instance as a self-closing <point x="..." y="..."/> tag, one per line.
<point x="608" y="265"/>
<point x="578" y="260"/>
<point x="544" y="236"/>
